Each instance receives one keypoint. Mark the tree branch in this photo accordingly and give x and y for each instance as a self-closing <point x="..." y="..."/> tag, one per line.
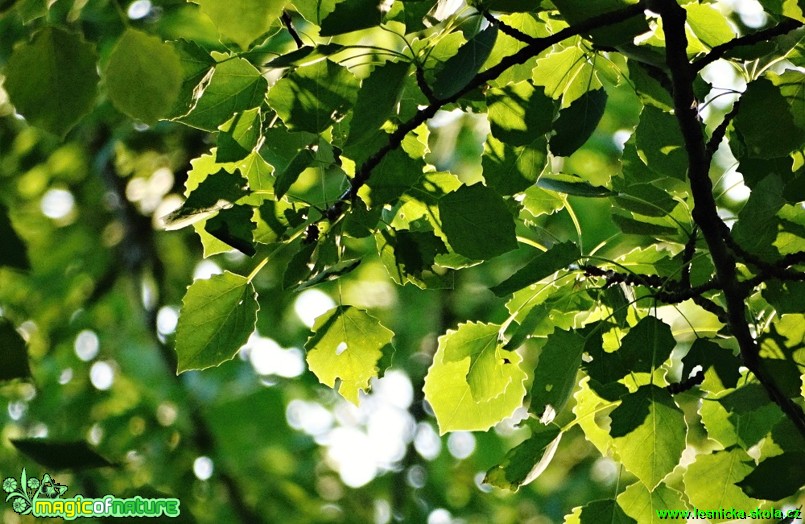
<point x="286" y="19"/>
<point x="720" y="131"/>
<point x="509" y="30"/>
<point x="705" y="212"/>
<point x="363" y="173"/>
<point x="719" y="51"/>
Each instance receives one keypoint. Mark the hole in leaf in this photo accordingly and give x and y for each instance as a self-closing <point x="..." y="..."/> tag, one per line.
<point x="341" y="348"/>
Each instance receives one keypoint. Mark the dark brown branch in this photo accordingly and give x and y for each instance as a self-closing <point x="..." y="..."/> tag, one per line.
<point x="710" y="306"/>
<point x="719" y="51"/>
<point x="424" y="87"/>
<point x="363" y="173"/>
<point x="286" y="19"/>
<point x="705" y="212"/>
<point x="509" y="30"/>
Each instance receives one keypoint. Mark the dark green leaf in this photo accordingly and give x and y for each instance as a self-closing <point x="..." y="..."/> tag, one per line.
<point x="392" y="177"/>
<point x="708" y="354"/>
<point x="645" y="199"/>
<point x="572" y="185"/>
<point x="630" y="226"/>
<point x="751" y="414"/>
<point x="214" y="192"/>
<point x="305" y="55"/>
<point x="299" y="268"/>
<point x="575" y="11"/>
<point x="330" y="273"/>
<point x="196" y="64"/>
<point x="234" y="227"/>
<point x="351" y="15"/>
<point x="604" y="511"/>
<point x="13" y="353"/>
<point x="143" y="76"/>
<point x="555" y="375"/>
<point x="765" y="121"/>
<point x="311" y="98"/>
<point x="239" y="136"/>
<point x="660" y="143"/>
<point x="559" y="256"/>
<point x="526" y="461"/>
<point x="376" y="100"/>
<point x="477" y="222"/>
<point x="776" y="478"/>
<point x="216" y="319"/>
<point x="46" y="92"/>
<point x="508" y="169"/>
<point x="459" y="69"/>
<point x="52" y="454"/>
<point x="576" y="123"/>
<point x="286" y="177"/>
<point x="14" y="253"/>
<point x="647" y="345"/>
<point x="235" y="85"/>
<point x="756" y="228"/>
<point x="519" y="113"/>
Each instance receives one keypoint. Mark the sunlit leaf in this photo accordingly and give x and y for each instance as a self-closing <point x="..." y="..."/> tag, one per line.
<point x="649" y="434"/>
<point x="643" y="504"/>
<point x="42" y="89"/>
<point x="242" y="21"/>
<point x="345" y="348"/>
<point x="712" y="478"/>
<point x="451" y="380"/>
<point x="216" y="319"/>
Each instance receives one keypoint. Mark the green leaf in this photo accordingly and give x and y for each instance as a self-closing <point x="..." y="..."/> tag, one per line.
<point x="305" y="55"/>
<point x="235" y="85"/>
<point x="447" y="388"/>
<point x="345" y="348"/>
<point x="508" y="169"/>
<point x="649" y="434"/>
<point x="305" y="157"/>
<point x="392" y="177"/>
<point x="487" y="375"/>
<point x="211" y="194"/>
<point x="519" y="113"/>
<point x="576" y="11"/>
<point x="459" y="69"/>
<point x="75" y="456"/>
<point x="589" y="406"/>
<point x="631" y="226"/>
<point x="644" y="505"/>
<point x="750" y="414"/>
<point x="709" y="25"/>
<point x="660" y="144"/>
<point x="555" y="375"/>
<point x="710" y="480"/>
<point x="351" y="15"/>
<point x="234" y="227"/>
<point x="410" y="257"/>
<point x="311" y="98"/>
<point x="559" y="256"/>
<point x="43" y="88"/>
<point x="526" y="461"/>
<point x="765" y="121"/>
<point x="566" y="75"/>
<point x="14" y="253"/>
<point x="196" y="64"/>
<point x="239" y="136"/>
<point x="756" y="228"/>
<point x="776" y="478"/>
<point x="603" y="511"/>
<point x="143" y="76"/>
<point x="572" y="185"/>
<point x="376" y="100"/>
<point x="538" y="202"/>
<point x="216" y="319"/>
<point x="477" y="222"/>
<point x="576" y="123"/>
<point x="242" y="21"/>
<point x="645" y="199"/>
<point x="707" y="354"/>
<point x="13" y="353"/>
<point x="647" y="345"/>
<point x="330" y="273"/>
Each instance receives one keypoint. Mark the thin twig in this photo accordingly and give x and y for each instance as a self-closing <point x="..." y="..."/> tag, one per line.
<point x="286" y="19"/>
<point x="720" y="131"/>
<point x="509" y="30"/>
<point x="788" y="25"/>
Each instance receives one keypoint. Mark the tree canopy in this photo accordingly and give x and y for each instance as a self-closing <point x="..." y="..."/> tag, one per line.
<point x="271" y="257"/>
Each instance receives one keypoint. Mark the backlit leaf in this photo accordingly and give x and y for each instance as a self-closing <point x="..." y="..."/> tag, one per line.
<point x="559" y="256"/>
<point x="710" y="480"/>
<point x="345" y="348"/>
<point x="459" y="69"/>
<point x="526" y="461"/>
<point x="643" y="504"/>
<point x="46" y="92"/>
<point x="447" y="384"/>
<point x="555" y="375"/>
<point x="143" y="76"/>
<point x="649" y="434"/>
<point x="477" y="222"/>
<point x="242" y="21"/>
<point x="216" y="319"/>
